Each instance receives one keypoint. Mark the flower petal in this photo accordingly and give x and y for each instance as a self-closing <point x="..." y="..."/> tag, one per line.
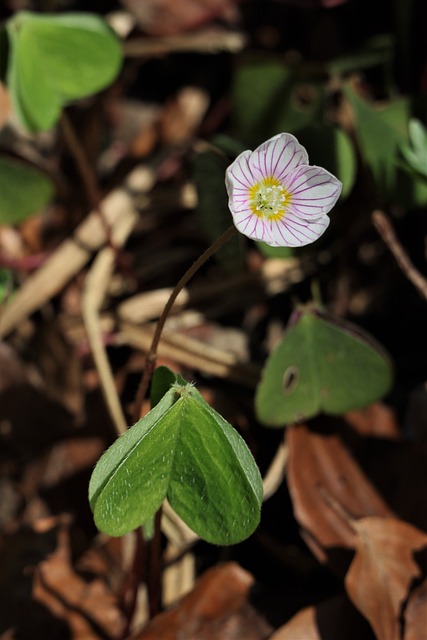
<point x="277" y="157"/>
<point x="314" y="191"/>
<point x="292" y="231"/>
<point x="251" y="226"/>
<point x="238" y="179"/>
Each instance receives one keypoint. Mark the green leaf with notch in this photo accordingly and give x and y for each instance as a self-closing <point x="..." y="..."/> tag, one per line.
<point x="186" y="452"/>
<point x="321" y="365"/>
<point x="54" y="59"/>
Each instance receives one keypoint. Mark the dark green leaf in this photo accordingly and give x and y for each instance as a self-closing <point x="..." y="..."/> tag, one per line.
<point x="24" y="191"/>
<point x="269" y="98"/>
<point x="415" y="154"/>
<point x="380" y="133"/>
<point x="208" y="169"/>
<point x="331" y="148"/>
<point x="161" y="382"/>
<point x="378" y="50"/>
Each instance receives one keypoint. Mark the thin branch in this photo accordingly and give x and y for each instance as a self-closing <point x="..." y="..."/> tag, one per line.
<point x="386" y="231"/>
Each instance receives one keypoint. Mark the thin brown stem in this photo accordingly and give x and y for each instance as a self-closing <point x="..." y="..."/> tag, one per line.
<point x="137" y="575"/>
<point x="386" y="231"/>
<point x="87" y="175"/>
<point x="151" y="358"/>
<point x="83" y="165"/>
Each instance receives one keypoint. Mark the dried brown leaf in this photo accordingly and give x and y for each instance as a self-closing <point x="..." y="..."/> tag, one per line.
<point x="12" y="370"/>
<point x="217" y="608"/>
<point x="334" y="619"/>
<point x="382" y="571"/>
<point x="59" y="366"/>
<point x="377" y="420"/>
<point x="88" y="608"/>
<point x="167" y="17"/>
<point x="328" y="489"/>
<point x="416" y="613"/>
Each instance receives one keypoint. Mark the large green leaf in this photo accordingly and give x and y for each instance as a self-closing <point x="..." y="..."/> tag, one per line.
<point x="321" y="365"/>
<point x="57" y="58"/>
<point x="184" y="451"/>
<point x="24" y="191"/>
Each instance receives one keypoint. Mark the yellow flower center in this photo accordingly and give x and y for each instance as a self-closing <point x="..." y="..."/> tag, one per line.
<point x="268" y="199"/>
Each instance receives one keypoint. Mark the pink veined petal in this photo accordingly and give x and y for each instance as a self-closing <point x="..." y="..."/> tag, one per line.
<point x="277" y="157"/>
<point x="314" y="191"/>
<point x="238" y="177"/>
<point x="292" y="231"/>
<point x="252" y="226"/>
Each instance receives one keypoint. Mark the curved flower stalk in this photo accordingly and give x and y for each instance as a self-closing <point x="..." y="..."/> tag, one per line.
<point x="277" y="197"/>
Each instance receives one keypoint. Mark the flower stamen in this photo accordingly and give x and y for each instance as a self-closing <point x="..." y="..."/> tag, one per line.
<point x="269" y="199"/>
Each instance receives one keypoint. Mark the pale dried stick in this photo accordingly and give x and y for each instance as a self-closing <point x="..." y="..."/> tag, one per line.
<point x="275" y="472"/>
<point x="191" y="353"/>
<point x="203" y="41"/>
<point x="95" y="287"/>
<point x="386" y="231"/>
<point x="73" y="253"/>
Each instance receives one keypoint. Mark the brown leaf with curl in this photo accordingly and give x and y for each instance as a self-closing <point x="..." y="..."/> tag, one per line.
<point x="383" y="569"/>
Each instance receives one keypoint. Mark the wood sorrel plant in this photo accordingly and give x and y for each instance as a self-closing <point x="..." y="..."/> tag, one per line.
<point x="182" y="449"/>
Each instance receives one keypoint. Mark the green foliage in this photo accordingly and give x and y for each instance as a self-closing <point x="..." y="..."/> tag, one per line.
<point x="378" y="50"/>
<point x="382" y="133"/>
<point x="24" y="191"/>
<point x="186" y="452"/>
<point x="331" y="148"/>
<point x="54" y="59"/>
<point x="6" y="284"/>
<point x="266" y="100"/>
<point x="321" y="365"/>
<point x="275" y="252"/>
<point x="208" y="169"/>
<point x="415" y="153"/>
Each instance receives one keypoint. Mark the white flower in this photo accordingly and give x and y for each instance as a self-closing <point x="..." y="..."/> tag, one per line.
<point x="277" y="197"/>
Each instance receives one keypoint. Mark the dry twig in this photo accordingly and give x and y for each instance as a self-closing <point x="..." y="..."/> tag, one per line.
<point x="386" y="231"/>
